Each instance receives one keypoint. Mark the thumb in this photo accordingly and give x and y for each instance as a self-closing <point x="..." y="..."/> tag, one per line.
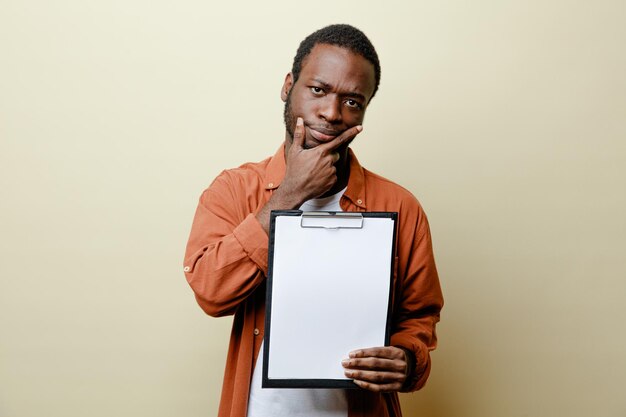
<point x="298" y="133"/>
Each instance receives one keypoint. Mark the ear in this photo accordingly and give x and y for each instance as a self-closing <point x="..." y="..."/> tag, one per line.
<point x="284" y="92"/>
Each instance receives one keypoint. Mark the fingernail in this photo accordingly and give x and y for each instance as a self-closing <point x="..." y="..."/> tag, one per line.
<point x="359" y="128"/>
<point x="299" y="121"/>
<point x="353" y="354"/>
<point x="345" y="362"/>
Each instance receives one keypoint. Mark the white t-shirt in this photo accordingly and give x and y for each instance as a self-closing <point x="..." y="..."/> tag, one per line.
<point x="298" y="402"/>
<point x="330" y="203"/>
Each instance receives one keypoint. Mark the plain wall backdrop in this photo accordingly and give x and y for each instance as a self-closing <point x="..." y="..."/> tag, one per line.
<point x="506" y="119"/>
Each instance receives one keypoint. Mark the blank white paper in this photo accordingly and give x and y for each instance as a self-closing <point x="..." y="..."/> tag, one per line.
<point x="330" y="295"/>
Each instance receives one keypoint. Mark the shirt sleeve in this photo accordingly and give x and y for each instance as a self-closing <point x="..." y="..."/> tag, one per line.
<point x="418" y="299"/>
<point x="226" y="256"/>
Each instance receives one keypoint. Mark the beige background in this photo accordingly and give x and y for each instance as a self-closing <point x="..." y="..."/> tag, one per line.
<point x="506" y="119"/>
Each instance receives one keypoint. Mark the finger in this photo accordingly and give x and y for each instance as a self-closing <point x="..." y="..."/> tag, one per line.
<point x="346" y="137"/>
<point x="378" y="364"/>
<point x="388" y="352"/>
<point x="298" y="133"/>
<point x="376" y="377"/>
<point x="378" y="387"/>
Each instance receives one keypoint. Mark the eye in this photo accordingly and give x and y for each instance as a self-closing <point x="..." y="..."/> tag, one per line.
<point x="353" y="104"/>
<point x="318" y="91"/>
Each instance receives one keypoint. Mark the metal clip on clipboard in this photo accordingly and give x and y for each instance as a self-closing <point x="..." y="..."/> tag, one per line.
<point x="331" y="220"/>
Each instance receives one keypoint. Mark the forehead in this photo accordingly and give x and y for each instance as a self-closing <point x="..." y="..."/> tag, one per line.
<point x="340" y="68"/>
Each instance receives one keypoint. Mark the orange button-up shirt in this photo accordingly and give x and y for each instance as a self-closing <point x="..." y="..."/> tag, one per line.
<point x="226" y="266"/>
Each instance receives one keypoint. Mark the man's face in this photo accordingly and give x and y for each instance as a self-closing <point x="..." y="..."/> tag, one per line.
<point x="331" y="94"/>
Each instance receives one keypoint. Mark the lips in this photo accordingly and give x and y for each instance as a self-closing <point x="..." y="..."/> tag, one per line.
<point x="323" y="135"/>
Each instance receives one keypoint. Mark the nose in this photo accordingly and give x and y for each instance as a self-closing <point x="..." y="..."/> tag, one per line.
<point x="330" y="109"/>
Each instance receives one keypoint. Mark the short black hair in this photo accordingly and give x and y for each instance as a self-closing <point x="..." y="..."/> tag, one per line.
<point x="344" y="36"/>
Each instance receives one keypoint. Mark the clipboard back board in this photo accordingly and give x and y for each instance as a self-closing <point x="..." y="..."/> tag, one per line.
<point x="329" y="285"/>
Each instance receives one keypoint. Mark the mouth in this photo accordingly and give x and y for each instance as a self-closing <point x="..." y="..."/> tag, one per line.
<point x="323" y="135"/>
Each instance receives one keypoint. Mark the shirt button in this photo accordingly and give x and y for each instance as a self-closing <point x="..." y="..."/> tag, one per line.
<point x="359" y="201"/>
<point x="186" y="269"/>
<point x="271" y="184"/>
<point x="256" y="332"/>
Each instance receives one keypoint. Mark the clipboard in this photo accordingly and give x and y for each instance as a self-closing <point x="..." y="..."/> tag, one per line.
<point x="329" y="287"/>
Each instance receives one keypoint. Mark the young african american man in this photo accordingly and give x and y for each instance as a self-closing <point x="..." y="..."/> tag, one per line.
<point x="335" y="75"/>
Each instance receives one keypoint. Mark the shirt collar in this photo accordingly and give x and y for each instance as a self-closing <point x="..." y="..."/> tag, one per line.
<point x="275" y="169"/>
<point x="356" y="183"/>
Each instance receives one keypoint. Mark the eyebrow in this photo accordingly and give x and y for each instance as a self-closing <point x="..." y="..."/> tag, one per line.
<point x="349" y="94"/>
